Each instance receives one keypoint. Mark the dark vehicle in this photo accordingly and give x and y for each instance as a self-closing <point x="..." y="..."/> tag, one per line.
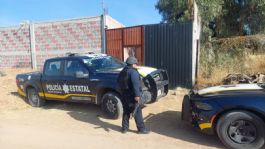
<point x="87" y="78"/>
<point x="236" y="113"/>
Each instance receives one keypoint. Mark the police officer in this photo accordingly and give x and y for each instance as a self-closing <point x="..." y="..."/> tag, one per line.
<point x="130" y="84"/>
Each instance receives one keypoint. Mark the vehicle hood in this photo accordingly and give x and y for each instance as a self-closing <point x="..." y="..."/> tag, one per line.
<point x="143" y="70"/>
<point x="223" y="88"/>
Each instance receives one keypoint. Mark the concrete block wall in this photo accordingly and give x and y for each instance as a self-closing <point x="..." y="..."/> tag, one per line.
<point x="15" y="47"/>
<point x="52" y="39"/>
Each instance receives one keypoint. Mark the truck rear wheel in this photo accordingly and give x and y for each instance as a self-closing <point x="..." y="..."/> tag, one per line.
<point x="34" y="99"/>
<point x="111" y="105"/>
<point x="241" y="130"/>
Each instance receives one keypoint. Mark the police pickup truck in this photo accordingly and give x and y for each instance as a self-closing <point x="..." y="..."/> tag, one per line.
<point x="88" y="78"/>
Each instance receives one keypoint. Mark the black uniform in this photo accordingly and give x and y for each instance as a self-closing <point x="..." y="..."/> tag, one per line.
<point x="130" y="84"/>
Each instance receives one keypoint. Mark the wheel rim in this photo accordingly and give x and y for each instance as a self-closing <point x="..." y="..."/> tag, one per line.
<point x="111" y="105"/>
<point x="242" y="132"/>
<point x="34" y="97"/>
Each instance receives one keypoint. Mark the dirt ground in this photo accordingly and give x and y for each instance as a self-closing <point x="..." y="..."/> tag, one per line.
<point x="73" y="125"/>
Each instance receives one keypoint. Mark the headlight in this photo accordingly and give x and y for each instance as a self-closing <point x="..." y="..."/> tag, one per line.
<point x="156" y="77"/>
<point x="203" y="106"/>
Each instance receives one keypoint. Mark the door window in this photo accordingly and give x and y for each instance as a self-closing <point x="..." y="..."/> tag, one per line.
<point x="73" y="66"/>
<point x="53" y="68"/>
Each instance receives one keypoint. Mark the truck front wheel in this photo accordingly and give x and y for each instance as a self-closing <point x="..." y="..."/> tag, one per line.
<point x="34" y="99"/>
<point x="111" y="105"/>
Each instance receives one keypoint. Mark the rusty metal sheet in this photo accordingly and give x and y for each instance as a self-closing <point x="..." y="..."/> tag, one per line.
<point x="121" y="40"/>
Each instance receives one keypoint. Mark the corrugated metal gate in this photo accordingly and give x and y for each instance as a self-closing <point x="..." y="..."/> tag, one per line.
<point x="124" y="42"/>
<point x="166" y="46"/>
<point x="114" y="43"/>
<point x="169" y="47"/>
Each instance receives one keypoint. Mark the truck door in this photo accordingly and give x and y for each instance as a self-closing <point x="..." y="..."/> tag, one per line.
<point x="77" y="81"/>
<point x="52" y="80"/>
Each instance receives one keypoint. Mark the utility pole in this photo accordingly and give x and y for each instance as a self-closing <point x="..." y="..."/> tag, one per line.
<point x="103" y="27"/>
<point x="32" y="46"/>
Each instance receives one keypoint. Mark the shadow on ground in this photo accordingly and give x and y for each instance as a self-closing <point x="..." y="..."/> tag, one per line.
<point x="84" y="112"/>
<point x="166" y="123"/>
<point x="169" y="124"/>
<point x="17" y="95"/>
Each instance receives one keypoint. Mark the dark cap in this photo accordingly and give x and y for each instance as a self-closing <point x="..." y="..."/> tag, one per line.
<point x="131" y="60"/>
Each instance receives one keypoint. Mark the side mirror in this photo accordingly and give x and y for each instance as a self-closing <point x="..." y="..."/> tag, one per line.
<point x="81" y="75"/>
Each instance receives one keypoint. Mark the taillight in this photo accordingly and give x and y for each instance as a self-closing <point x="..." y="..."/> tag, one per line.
<point x="17" y="81"/>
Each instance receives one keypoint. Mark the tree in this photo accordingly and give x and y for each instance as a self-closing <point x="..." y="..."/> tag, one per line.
<point x="242" y="17"/>
<point x="222" y="18"/>
<point x="173" y="10"/>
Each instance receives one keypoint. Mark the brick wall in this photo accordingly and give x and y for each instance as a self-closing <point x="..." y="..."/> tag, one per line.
<point x="15" y="47"/>
<point x="57" y="38"/>
<point x="52" y="39"/>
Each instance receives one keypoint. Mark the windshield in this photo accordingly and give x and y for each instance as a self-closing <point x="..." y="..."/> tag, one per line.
<point x="103" y="63"/>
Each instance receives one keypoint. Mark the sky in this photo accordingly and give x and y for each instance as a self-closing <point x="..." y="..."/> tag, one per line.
<point x="127" y="12"/>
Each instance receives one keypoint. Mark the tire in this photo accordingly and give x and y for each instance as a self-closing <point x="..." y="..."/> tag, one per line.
<point x="241" y="130"/>
<point x="111" y="105"/>
<point x="34" y="99"/>
<point x="185" y="112"/>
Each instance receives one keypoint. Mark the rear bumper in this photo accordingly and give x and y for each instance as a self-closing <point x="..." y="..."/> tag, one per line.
<point x="200" y="119"/>
<point x="21" y="92"/>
